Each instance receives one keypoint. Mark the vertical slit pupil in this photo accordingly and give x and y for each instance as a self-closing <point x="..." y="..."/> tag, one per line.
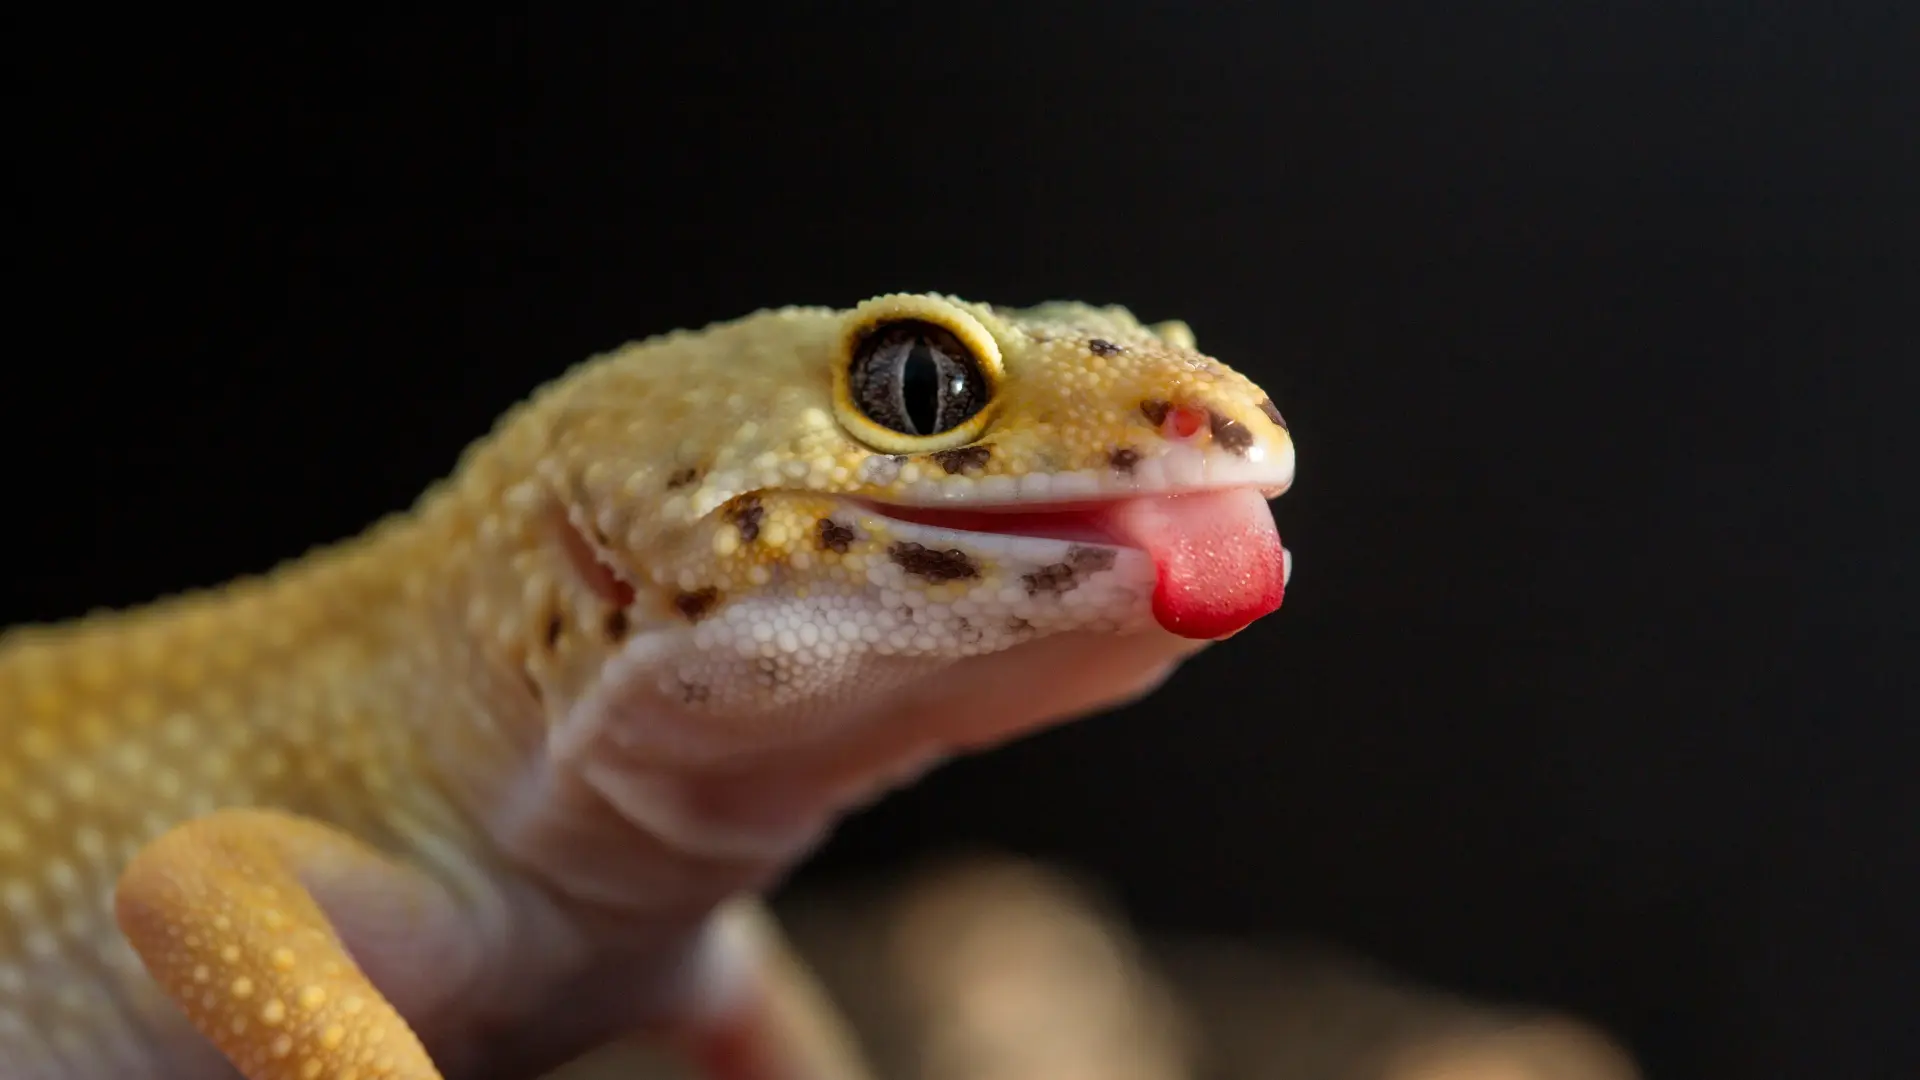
<point x="920" y="388"/>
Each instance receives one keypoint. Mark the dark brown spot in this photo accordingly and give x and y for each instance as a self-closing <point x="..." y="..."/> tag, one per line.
<point x="935" y="566"/>
<point x="695" y="605"/>
<point x="692" y="693"/>
<point x="1051" y="580"/>
<point x="1273" y="413"/>
<point x="746" y="515"/>
<point x="1090" y="560"/>
<point x="1156" y="411"/>
<point x="681" y="478"/>
<point x="1230" y="433"/>
<point x="1060" y="577"/>
<point x="554" y="626"/>
<point x="835" y="536"/>
<point x="1102" y="347"/>
<point x="1019" y="625"/>
<point x="1123" y="460"/>
<point x="616" y="625"/>
<point x="962" y="458"/>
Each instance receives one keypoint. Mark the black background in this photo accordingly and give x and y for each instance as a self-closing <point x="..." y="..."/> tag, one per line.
<point x="1592" y="322"/>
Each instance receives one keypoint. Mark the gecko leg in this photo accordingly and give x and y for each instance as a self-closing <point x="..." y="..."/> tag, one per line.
<point x="774" y="1021"/>
<point x="223" y="912"/>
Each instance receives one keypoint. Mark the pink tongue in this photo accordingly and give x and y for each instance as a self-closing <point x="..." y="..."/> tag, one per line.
<point x="1219" y="560"/>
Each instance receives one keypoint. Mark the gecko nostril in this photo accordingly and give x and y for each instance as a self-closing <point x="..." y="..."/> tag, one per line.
<point x="1184" y="422"/>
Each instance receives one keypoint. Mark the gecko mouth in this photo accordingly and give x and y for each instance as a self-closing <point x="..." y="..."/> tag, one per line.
<point x="1076" y="522"/>
<point x="1217" y="557"/>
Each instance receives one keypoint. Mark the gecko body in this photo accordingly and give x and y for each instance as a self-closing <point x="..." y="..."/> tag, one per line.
<point x="489" y="785"/>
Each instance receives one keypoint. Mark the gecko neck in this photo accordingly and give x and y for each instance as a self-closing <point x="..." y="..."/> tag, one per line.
<point x="335" y="685"/>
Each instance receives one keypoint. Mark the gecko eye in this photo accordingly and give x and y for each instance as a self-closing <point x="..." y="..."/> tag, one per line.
<point x="917" y="379"/>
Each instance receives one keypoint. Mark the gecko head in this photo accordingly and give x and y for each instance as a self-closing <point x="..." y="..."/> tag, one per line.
<point x="810" y="512"/>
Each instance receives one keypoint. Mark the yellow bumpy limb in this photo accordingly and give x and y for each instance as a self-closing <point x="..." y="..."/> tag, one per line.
<point x="220" y="912"/>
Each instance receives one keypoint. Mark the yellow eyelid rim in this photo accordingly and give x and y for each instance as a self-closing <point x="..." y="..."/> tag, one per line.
<point x="901" y="307"/>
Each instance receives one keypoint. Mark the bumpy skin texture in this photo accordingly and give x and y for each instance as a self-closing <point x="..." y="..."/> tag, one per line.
<point x="471" y="792"/>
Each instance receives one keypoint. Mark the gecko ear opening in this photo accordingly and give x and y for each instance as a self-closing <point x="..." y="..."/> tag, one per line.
<point x="915" y="375"/>
<point x="596" y="571"/>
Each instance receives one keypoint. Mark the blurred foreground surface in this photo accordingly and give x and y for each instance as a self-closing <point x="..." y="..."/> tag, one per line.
<point x="996" y="969"/>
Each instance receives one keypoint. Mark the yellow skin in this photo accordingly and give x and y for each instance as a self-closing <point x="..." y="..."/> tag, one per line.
<point x="478" y="790"/>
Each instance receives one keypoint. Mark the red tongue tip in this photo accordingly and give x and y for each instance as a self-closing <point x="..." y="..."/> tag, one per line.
<point x="1218" y="560"/>
<point x="1204" y="606"/>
